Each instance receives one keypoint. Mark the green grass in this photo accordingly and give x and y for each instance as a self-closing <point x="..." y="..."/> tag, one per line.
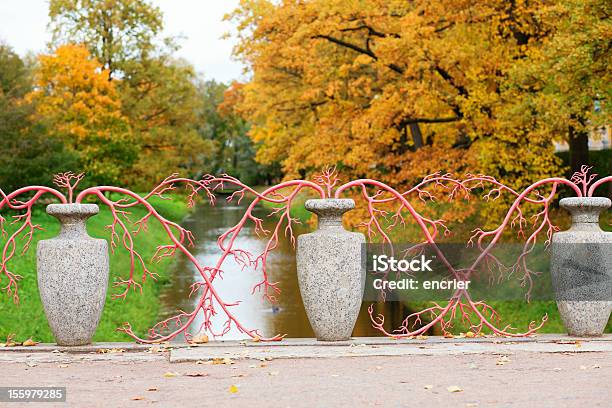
<point x="27" y="319"/>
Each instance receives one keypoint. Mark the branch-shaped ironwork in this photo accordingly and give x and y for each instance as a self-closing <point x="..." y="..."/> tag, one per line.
<point x="123" y="231"/>
<point x="386" y="207"/>
<point x="476" y="314"/>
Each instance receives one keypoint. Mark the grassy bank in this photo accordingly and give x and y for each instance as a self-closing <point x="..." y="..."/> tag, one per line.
<point x="27" y="319"/>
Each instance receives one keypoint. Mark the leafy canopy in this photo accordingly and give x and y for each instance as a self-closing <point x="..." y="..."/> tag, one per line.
<point x="82" y="109"/>
<point x="396" y="89"/>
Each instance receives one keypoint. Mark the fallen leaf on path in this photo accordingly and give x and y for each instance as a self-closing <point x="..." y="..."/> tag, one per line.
<point x="449" y="336"/>
<point x="62" y="366"/>
<point x="502" y="360"/>
<point x="428" y="386"/>
<point x="273" y="373"/>
<point x="454" y="388"/>
<point x="171" y="374"/>
<point x="219" y="360"/>
<point x="29" y="342"/>
<point x="199" y="339"/>
<point x="233" y="389"/>
<point x="111" y="351"/>
<point x="197" y="374"/>
<point x="470" y="334"/>
<point x="596" y="366"/>
<point x="421" y="337"/>
<point x="152" y="389"/>
<point x="137" y="398"/>
<point x="256" y="339"/>
<point x="31" y="364"/>
<point x="9" y="341"/>
<point x="252" y="366"/>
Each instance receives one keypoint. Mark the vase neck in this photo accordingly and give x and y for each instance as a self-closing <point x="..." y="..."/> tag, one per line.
<point x="73" y="218"/>
<point x="585" y="211"/>
<point x="73" y="228"/>
<point x="330" y="222"/>
<point x="329" y="211"/>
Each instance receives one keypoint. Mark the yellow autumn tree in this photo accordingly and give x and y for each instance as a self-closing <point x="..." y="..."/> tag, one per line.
<point x="81" y="108"/>
<point x="391" y="89"/>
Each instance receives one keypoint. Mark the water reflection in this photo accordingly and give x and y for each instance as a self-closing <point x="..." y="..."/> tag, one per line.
<point x="287" y="316"/>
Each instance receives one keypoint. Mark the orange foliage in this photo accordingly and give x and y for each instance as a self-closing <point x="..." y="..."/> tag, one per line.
<point x="391" y="89"/>
<point x="74" y="97"/>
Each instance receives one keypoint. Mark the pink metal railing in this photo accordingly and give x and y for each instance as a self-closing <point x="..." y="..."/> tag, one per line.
<point x="378" y="198"/>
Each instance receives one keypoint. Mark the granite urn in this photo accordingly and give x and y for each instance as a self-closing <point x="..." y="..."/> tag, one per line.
<point x="581" y="267"/>
<point x="331" y="273"/>
<point x="73" y="273"/>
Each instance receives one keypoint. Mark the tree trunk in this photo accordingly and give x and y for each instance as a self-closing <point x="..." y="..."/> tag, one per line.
<point x="415" y="133"/>
<point x="578" y="148"/>
<point x="417" y="136"/>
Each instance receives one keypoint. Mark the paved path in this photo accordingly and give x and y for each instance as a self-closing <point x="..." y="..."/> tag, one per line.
<point x="547" y="371"/>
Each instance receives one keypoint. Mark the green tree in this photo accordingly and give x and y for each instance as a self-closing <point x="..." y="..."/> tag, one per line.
<point x="27" y="155"/>
<point x="158" y="92"/>
<point x="117" y="32"/>
<point x="219" y="123"/>
<point x="563" y="83"/>
<point x="161" y="99"/>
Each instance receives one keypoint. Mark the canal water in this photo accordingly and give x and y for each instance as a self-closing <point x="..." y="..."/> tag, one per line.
<point x="287" y="315"/>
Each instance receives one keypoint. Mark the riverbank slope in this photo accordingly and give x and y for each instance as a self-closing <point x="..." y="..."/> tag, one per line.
<point x="27" y="319"/>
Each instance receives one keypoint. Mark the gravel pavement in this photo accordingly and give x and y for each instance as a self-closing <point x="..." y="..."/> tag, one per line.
<point x="144" y="377"/>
